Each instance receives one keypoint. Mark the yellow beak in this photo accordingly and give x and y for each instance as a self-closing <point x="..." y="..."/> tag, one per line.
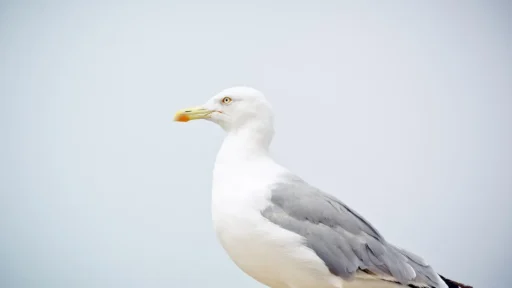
<point x="193" y="113"/>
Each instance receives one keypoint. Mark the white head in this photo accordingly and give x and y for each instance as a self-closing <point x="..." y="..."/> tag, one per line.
<point x="238" y="110"/>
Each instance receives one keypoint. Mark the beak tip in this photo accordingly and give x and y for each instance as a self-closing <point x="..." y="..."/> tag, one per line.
<point x="181" y="118"/>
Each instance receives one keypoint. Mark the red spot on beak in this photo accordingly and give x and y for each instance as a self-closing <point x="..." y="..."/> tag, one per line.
<point x="182" y="118"/>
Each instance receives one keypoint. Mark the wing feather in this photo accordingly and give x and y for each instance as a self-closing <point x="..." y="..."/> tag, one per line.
<point x="344" y="240"/>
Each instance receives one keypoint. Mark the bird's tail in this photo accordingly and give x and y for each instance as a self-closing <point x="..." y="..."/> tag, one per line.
<point x="454" y="284"/>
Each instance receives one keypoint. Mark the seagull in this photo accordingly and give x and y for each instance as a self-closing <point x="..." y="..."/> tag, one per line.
<point x="282" y="231"/>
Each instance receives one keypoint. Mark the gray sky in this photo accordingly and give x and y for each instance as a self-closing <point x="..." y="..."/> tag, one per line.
<point x="402" y="109"/>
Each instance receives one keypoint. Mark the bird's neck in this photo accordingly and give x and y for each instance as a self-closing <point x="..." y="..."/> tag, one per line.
<point x="247" y="143"/>
<point x="245" y="146"/>
<point x="243" y="166"/>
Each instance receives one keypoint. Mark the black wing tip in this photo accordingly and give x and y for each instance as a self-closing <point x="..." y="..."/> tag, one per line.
<point x="450" y="283"/>
<point x="453" y="284"/>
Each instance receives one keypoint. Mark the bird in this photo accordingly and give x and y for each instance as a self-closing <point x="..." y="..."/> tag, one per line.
<point x="279" y="229"/>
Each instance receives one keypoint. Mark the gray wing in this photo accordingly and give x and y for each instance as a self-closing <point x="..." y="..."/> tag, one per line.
<point x="344" y="240"/>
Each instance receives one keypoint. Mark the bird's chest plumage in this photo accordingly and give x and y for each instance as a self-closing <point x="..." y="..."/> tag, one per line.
<point x="265" y="251"/>
<point x="238" y="197"/>
<point x="256" y="246"/>
<point x="271" y="255"/>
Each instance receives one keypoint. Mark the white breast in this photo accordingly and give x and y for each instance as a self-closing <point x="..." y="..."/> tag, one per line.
<point x="268" y="253"/>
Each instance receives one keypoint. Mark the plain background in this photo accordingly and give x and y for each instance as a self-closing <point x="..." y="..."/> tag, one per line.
<point x="402" y="109"/>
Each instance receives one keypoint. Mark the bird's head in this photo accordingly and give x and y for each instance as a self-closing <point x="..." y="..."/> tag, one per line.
<point x="234" y="109"/>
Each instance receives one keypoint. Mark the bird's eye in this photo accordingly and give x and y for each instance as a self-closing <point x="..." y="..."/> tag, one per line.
<point x="226" y="100"/>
